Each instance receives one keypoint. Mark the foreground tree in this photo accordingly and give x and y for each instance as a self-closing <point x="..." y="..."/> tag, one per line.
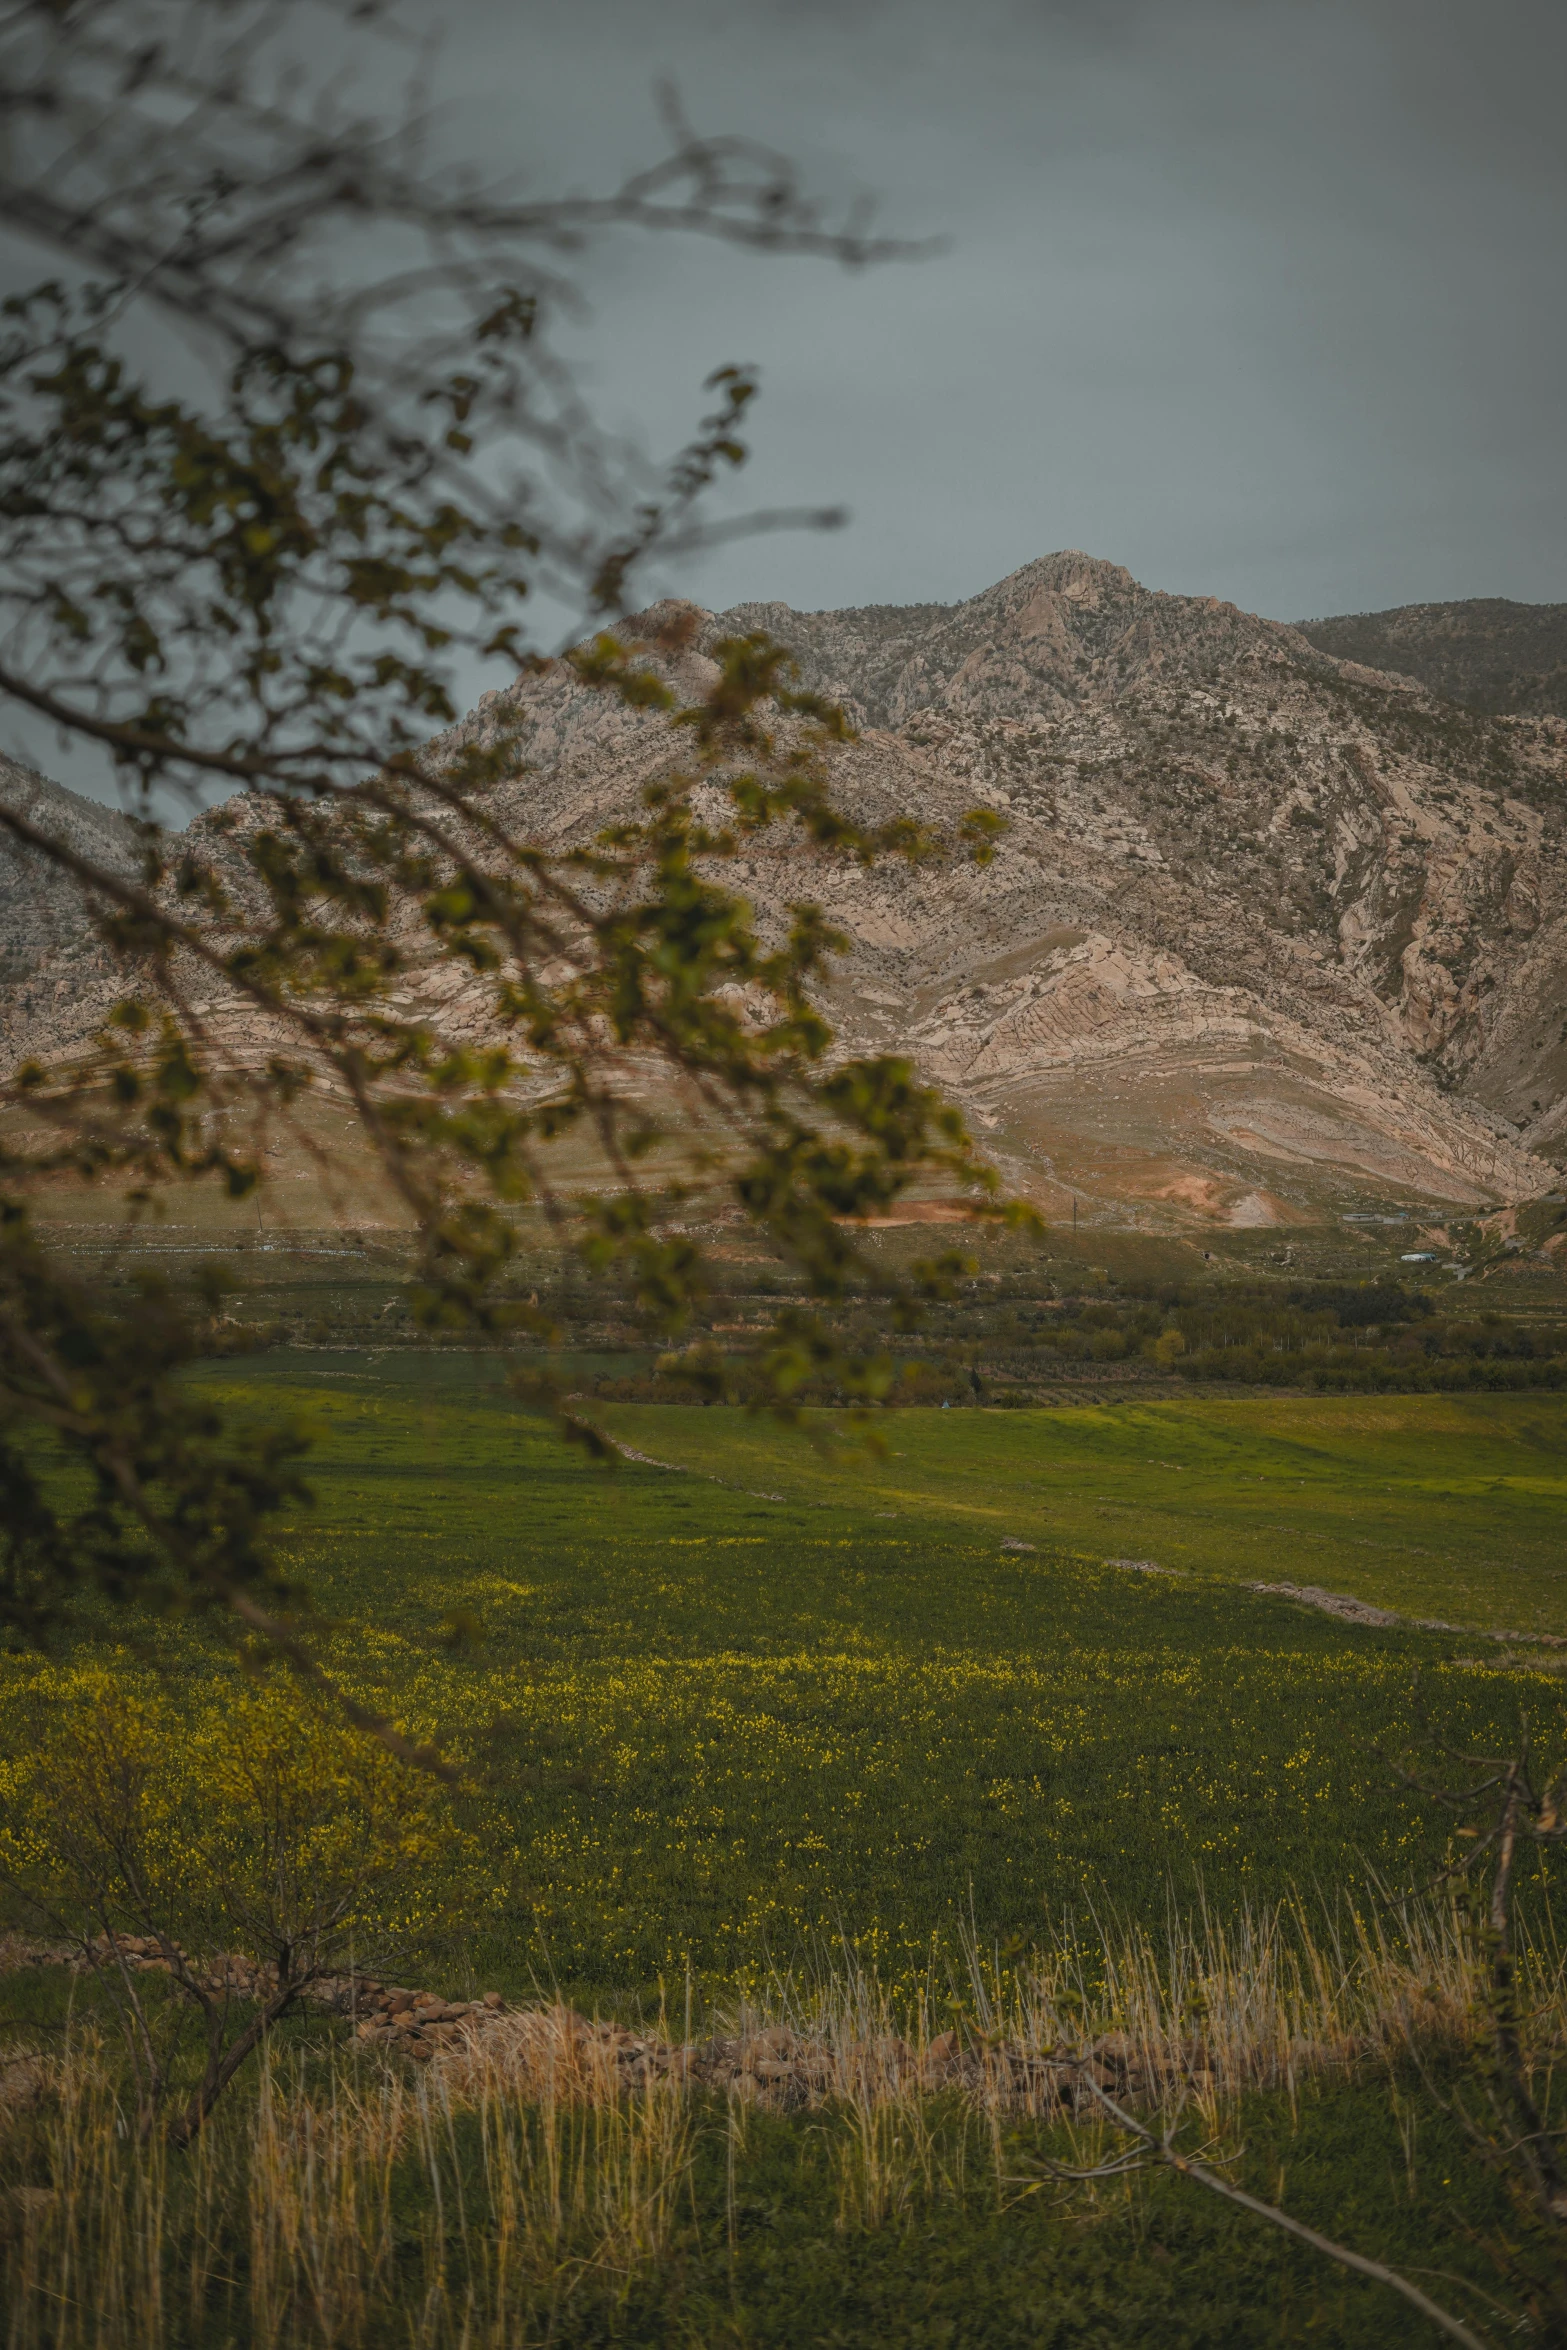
<point x="263" y="567"/>
<point x="207" y="1874"/>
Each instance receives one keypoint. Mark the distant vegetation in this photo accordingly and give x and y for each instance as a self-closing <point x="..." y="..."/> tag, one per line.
<point x="1484" y="1311"/>
<point x="1008" y="1334"/>
<point x="1335" y="1340"/>
<point x="1489" y="652"/>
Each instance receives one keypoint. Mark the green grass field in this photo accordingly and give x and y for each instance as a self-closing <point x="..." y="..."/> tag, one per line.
<point x="716" y="1730"/>
<point x="1431" y="1506"/>
<point x="779" y="1707"/>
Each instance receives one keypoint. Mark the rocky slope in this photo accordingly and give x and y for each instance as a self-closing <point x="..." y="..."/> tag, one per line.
<point x="1269" y="931"/>
<point x="1271" y="935"/>
<point x="49" y="959"/>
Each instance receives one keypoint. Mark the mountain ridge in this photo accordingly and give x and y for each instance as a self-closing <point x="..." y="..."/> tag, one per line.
<point x="1271" y="932"/>
<point x="1223" y="841"/>
<point x="48" y="952"/>
<point x="1488" y="652"/>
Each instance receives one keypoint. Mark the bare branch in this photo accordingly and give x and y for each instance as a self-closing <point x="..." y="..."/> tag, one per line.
<point x="1159" y="2149"/>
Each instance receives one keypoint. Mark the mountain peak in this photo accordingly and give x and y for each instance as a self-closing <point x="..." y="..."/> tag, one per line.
<point x="1069" y="572"/>
<point x="1063" y="629"/>
<point x="1267" y="931"/>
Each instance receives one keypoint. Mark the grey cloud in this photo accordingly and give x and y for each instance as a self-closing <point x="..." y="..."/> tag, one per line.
<point x="1261" y="298"/>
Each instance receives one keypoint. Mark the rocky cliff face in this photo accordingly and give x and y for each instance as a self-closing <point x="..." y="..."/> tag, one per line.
<point x="49" y="957"/>
<point x="1269" y="930"/>
<point x="1270" y="933"/>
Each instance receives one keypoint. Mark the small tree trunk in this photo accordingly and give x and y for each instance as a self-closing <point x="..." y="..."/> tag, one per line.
<point x="224" y="2063"/>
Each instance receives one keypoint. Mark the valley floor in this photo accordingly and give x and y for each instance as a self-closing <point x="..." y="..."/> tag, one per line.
<point x="768" y="1713"/>
<point x="715" y="1723"/>
<point x="1429" y="1506"/>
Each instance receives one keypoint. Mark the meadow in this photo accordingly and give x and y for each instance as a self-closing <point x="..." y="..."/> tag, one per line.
<point x="1429" y="1506"/>
<point x="763" y="1718"/>
<point x="718" y="1727"/>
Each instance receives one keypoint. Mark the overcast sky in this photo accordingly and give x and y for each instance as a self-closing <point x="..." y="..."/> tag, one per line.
<point x="1261" y="298"/>
<point x="1264" y="299"/>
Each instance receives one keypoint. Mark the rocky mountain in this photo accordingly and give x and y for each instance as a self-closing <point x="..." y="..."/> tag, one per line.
<point x="1271" y="934"/>
<point x="49" y="957"/>
<point x="1269" y="930"/>
<point x="1488" y="653"/>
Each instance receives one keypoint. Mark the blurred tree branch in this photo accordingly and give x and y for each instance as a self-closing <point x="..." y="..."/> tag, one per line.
<point x="260" y="556"/>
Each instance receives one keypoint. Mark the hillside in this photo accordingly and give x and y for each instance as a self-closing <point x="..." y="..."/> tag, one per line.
<point x="1491" y="654"/>
<point x="1272" y="935"/>
<point x="48" y="956"/>
<point x="1270" y="932"/>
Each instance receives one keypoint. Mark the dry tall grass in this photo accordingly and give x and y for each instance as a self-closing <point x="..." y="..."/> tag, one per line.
<point x="362" y="2201"/>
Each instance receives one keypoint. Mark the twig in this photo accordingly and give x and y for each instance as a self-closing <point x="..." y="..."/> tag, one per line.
<point x="1161" y="2149"/>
